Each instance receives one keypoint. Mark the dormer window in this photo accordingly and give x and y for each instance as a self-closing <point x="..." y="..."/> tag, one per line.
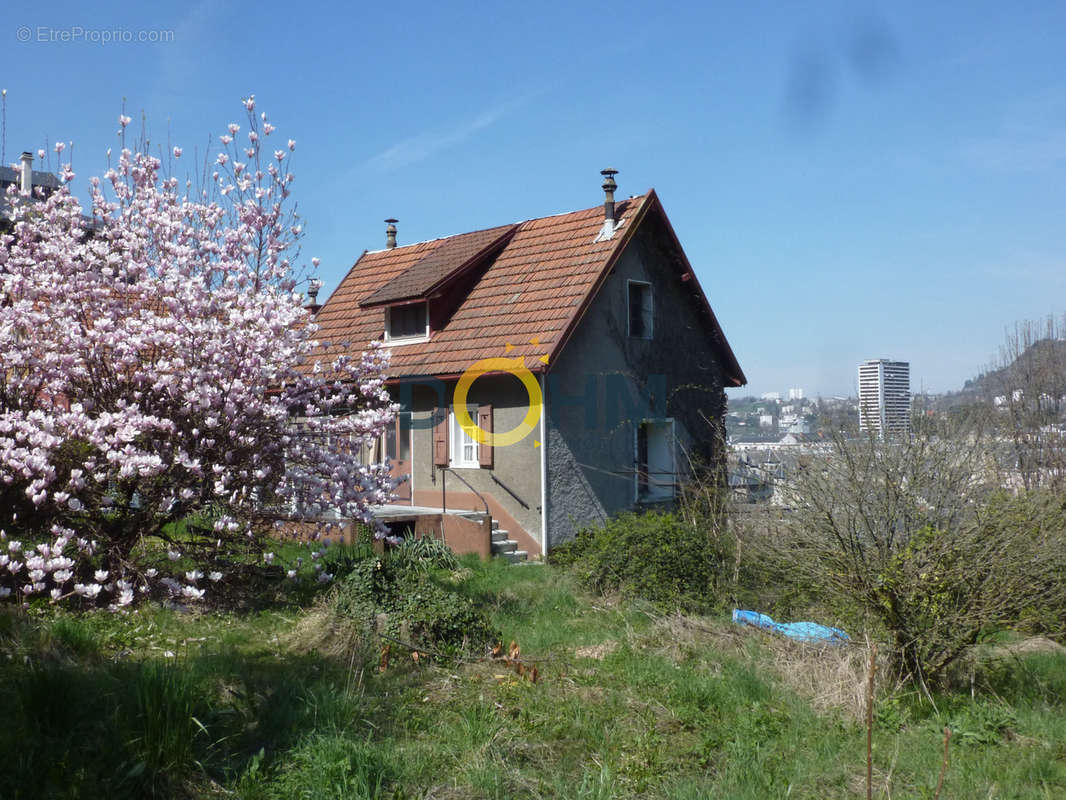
<point x="407" y="323"/>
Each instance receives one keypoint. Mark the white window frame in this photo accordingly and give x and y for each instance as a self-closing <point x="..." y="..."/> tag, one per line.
<point x="458" y="439"/>
<point x="401" y="340"/>
<point x="649" y="319"/>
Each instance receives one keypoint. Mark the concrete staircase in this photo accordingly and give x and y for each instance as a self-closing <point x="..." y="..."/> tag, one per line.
<point x="506" y="548"/>
<point x="502" y="546"/>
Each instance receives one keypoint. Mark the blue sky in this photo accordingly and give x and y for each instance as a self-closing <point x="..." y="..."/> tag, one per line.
<point x="849" y="180"/>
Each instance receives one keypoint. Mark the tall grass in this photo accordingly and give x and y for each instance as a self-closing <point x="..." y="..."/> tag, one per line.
<point x="160" y="723"/>
<point x="629" y="704"/>
<point x="332" y="767"/>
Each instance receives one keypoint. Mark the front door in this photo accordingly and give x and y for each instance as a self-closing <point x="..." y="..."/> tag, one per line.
<point x="398" y="450"/>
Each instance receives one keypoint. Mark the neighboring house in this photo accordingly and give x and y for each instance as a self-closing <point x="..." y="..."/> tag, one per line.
<point x="27" y="180"/>
<point x="597" y="311"/>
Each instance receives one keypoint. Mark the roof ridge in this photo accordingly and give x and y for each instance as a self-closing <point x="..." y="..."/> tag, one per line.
<point x="582" y="210"/>
<point x="440" y="238"/>
<point x="505" y="225"/>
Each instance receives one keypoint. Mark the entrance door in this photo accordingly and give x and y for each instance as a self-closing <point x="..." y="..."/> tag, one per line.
<point x="398" y="450"/>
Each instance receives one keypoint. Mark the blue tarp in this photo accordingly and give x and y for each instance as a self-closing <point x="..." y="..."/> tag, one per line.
<point x="800" y="631"/>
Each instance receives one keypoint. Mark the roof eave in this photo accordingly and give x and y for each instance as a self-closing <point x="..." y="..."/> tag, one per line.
<point x="451" y="376"/>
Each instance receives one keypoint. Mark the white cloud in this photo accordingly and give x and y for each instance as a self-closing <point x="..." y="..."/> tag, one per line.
<point x="420" y="147"/>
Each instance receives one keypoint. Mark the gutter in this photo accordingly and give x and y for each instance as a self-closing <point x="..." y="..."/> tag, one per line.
<point x="543" y="470"/>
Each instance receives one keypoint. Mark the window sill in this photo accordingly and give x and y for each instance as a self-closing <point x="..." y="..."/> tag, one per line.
<point x="389" y="342"/>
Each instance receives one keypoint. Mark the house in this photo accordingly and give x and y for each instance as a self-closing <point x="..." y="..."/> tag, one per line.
<point x="552" y="372"/>
<point x="28" y="182"/>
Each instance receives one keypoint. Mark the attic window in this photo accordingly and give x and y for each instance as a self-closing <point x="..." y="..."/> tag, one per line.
<point x="640" y="310"/>
<point x="407" y="323"/>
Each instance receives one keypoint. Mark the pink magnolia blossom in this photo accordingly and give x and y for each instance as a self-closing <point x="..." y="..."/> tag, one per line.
<point x="156" y="360"/>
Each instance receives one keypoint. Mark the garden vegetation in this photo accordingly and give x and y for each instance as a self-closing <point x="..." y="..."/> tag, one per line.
<point x="158" y="414"/>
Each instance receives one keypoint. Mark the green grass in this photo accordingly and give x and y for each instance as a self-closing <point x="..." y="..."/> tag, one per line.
<point x="628" y="704"/>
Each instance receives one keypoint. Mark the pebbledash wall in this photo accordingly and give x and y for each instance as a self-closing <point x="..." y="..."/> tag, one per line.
<point x="604" y="383"/>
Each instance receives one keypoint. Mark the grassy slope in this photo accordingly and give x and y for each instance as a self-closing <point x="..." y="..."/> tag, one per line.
<point x="629" y="704"/>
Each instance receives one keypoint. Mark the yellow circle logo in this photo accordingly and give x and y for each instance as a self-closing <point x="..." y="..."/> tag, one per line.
<point x="521" y="430"/>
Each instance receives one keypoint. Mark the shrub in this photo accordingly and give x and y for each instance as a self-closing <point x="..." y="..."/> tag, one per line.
<point x="654" y="556"/>
<point x="426" y="553"/>
<point x="398" y="596"/>
<point x="340" y="559"/>
<point x="912" y="533"/>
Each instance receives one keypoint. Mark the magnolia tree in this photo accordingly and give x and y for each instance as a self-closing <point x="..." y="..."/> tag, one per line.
<point x="158" y="367"/>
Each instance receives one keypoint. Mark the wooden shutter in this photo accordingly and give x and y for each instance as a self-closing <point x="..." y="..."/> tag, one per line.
<point x="440" y="437"/>
<point x="484" y="450"/>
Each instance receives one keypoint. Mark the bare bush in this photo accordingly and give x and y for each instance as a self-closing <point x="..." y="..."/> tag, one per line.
<point x="915" y="534"/>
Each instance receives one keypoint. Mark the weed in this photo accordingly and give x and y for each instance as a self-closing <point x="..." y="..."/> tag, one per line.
<point x="328" y="766"/>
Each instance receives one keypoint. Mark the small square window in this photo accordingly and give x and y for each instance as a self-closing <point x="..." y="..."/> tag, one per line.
<point x="640" y="310"/>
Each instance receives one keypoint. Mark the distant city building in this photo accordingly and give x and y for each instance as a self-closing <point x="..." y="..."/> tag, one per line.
<point x="795" y="394"/>
<point x="771" y="396"/>
<point x="885" y="396"/>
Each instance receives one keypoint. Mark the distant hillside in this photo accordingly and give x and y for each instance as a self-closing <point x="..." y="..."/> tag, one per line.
<point x="1044" y="362"/>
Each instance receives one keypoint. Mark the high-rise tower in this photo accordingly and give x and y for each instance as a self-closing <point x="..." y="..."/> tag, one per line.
<point x="885" y="396"/>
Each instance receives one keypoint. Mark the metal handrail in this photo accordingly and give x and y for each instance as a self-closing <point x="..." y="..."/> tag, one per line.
<point x="444" y="493"/>
<point x="510" y="491"/>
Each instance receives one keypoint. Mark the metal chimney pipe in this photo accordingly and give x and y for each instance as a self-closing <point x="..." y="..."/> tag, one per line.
<point x="608" y="187"/>
<point x="312" y="293"/>
<point x="26" y="173"/>
<point x="390" y="233"/>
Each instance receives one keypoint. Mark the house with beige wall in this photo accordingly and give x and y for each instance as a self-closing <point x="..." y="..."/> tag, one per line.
<point x="550" y="372"/>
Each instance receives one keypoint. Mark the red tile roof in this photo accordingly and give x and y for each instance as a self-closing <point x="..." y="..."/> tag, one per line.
<point x="531" y="294"/>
